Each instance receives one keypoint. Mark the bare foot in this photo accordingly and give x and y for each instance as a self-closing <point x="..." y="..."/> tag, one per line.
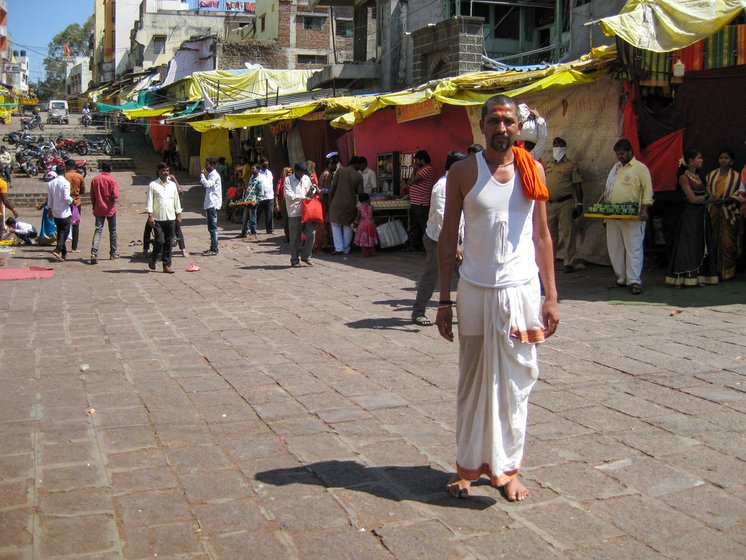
<point x="458" y="487"/>
<point x="515" y="491"/>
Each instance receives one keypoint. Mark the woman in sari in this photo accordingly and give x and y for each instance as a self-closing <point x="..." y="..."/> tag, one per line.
<point x="725" y="222"/>
<point x="691" y="264"/>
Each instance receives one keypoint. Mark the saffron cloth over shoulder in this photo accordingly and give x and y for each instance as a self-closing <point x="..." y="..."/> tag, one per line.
<point x="533" y="187"/>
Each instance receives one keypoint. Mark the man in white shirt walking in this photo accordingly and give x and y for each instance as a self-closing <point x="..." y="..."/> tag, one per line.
<point x="58" y="203"/>
<point x="210" y="179"/>
<point x="266" y="203"/>
<point x="164" y="210"/>
<point x="298" y="188"/>
<point x="426" y="285"/>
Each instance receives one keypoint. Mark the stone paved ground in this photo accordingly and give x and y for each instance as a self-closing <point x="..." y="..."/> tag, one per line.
<point x="250" y="410"/>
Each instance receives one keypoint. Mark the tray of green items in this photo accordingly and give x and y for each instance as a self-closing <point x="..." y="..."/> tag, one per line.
<point x="608" y="210"/>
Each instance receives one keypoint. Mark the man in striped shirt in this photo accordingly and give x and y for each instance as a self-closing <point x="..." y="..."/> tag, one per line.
<point x="419" y="188"/>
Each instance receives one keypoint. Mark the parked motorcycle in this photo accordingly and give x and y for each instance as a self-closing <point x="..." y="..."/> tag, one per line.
<point x="27" y="163"/>
<point x="66" y="144"/>
<point x="102" y="145"/>
<point x="30" y="123"/>
<point x="23" y="137"/>
<point x="51" y="160"/>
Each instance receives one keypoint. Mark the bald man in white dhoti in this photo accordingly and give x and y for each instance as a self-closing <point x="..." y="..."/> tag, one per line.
<point x="502" y="315"/>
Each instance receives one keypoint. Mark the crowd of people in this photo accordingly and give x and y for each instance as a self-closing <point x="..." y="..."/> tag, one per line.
<point x="709" y="238"/>
<point x="494" y="218"/>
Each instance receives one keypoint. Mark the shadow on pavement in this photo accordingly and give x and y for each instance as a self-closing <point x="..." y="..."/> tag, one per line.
<point x="265" y="267"/>
<point x="385" y="323"/>
<point x="416" y="483"/>
<point x="592" y="284"/>
<point x="396" y="303"/>
<point x="128" y="271"/>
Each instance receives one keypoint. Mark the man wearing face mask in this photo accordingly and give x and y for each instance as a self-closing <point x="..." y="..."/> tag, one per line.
<point x="565" y="202"/>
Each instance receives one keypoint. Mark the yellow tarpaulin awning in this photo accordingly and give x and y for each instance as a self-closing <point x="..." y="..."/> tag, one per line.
<point x="669" y="25"/>
<point x="470" y="89"/>
<point x="481" y="87"/>
<point x="143" y="112"/>
<point x="225" y="86"/>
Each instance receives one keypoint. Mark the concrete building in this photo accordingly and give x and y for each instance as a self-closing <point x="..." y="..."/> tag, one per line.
<point x="77" y="76"/>
<point x="162" y="27"/>
<point x="4" y="29"/>
<point x="133" y="35"/>
<point x="111" y="36"/>
<point x="311" y="36"/>
<point x="15" y="71"/>
<point x="517" y="32"/>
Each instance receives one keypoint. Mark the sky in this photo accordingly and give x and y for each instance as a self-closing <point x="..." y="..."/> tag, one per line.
<point x="33" y="23"/>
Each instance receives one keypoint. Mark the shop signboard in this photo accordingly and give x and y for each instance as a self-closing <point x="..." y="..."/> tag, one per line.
<point x="426" y="108"/>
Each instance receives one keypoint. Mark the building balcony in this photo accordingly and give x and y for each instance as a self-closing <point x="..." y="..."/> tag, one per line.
<point x="351" y="75"/>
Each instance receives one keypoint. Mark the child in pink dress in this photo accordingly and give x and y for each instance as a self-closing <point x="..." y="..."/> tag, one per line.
<point x="365" y="235"/>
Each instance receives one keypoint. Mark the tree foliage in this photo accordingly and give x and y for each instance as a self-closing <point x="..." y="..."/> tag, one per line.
<point x="76" y="37"/>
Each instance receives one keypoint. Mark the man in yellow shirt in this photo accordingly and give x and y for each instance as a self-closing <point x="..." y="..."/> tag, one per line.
<point x="628" y="181"/>
<point x="5" y="203"/>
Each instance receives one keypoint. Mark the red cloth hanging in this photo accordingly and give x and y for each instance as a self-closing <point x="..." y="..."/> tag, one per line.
<point x="662" y="158"/>
<point x="693" y="56"/>
<point x="629" y="116"/>
<point x="158" y="133"/>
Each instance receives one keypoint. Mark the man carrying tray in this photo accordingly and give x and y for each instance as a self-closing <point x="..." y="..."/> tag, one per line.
<point x="628" y="181"/>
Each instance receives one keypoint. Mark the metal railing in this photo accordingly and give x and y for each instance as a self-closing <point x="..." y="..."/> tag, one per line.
<point x="545" y="55"/>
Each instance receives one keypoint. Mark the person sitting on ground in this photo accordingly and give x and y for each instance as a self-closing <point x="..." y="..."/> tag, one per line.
<point x="23" y="231"/>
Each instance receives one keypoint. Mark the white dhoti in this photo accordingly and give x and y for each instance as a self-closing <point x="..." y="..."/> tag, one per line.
<point x="498" y="329"/>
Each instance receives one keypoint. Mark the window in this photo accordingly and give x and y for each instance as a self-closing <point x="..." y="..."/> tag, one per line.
<point x="159" y="44"/>
<point x="319" y="59"/>
<point x="313" y="23"/>
<point x="344" y="28"/>
<point x="507" y="22"/>
<point x="263" y="21"/>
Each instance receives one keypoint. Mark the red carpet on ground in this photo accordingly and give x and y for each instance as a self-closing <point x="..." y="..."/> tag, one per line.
<point x="30" y="273"/>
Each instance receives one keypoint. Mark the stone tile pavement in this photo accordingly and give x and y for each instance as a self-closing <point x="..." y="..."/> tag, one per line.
<point x="251" y="410"/>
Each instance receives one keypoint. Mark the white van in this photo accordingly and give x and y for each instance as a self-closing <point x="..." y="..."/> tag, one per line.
<point x="58" y="108"/>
